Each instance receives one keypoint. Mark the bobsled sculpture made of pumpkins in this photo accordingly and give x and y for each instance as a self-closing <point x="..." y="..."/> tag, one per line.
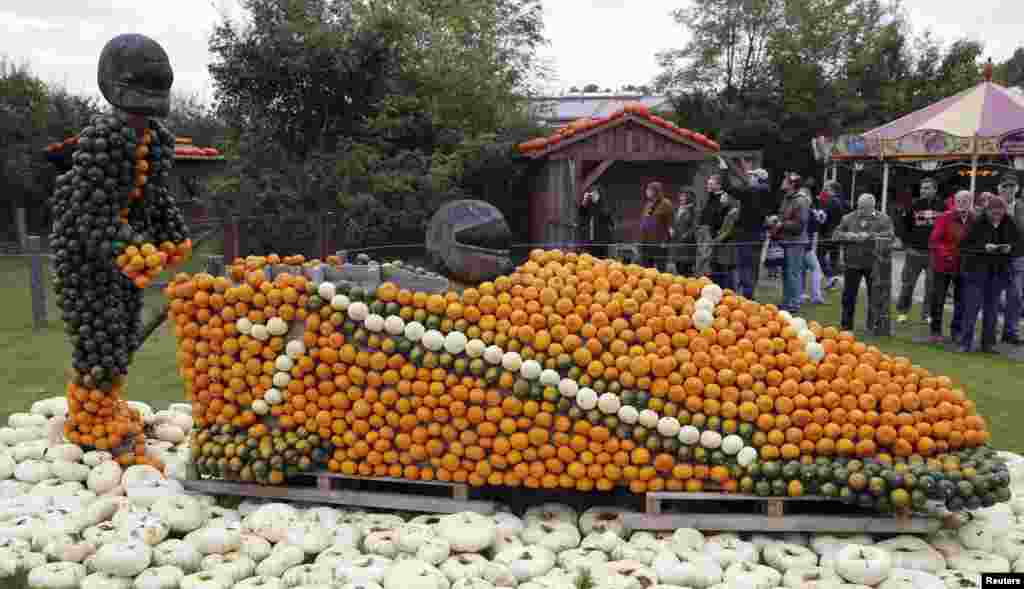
<point x="570" y="372"/>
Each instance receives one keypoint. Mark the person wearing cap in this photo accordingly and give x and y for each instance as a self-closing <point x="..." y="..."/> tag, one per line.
<point x="914" y="227"/>
<point x="1009" y="189"/>
<point x="944" y="245"/>
<point x="985" y="267"/>
<point x="857" y="232"/>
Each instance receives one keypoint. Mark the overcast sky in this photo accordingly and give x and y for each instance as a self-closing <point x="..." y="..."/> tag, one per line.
<point x="607" y="42"/>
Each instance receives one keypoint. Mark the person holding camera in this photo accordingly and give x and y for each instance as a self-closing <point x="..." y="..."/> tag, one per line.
<point x="597" y="221"/>
<point x="985" y="269"/>
<point x="857" y="232"/>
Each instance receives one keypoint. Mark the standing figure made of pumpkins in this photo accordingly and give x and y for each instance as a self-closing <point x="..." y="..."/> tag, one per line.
<point x="115" y="227"/>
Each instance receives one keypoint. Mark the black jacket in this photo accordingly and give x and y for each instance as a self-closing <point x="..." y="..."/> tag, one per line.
<point x="756" y="203"/>
<point x="916" y="223"/>
<point x="604" y="221"/>
<point x="835" y="208"/>
<point x="974" y="258"/>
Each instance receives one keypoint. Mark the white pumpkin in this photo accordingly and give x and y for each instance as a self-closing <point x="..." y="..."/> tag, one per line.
<point x="205" y="580"/>
<point x="554" y="536"/>
<point x="394" y="325"/>
<point x="358" y="311"/>
<point x="531" y="370"/>
<point x="260" y="332"/>
<point x="122" y="559"/>
<point x="282" y="558"/>
<point x="215" y="540"/>
<point x="178" y="554"/>
<point x="340" y="302"/>
<point x="648" y="418"/>
<point x="960" y="579"/>
<point x="434" y="551"/>
<point x="475" y="348"/>
<point x="381" y="543"/>
<point x="710" y="439"/>
<point x="603" y="519"/>
<point x="911" y="552"/>
<point x="277" y="326"/>
<point x="462" y="566"/>
<point x="689" y="435"/>
<point x="467" y="531"/>
<point x="746" y="456"/>
<point x="57" y="575"/>
<point x="433" y="340"/>
<point x="284" y="363"/>
<point x="668" y="426"/>
<point x="310" y="536"/>
<point x="810" y="578"/>
<point x="732" y="444"/>
<point x="978" y="561"/>
<point x="414" y="331"/>
<point x="586" y="398"/>
<point x="687" y="568"/>
<point x="412" y="535"/>
<point x="32" y="471"/>
<point x="865" y="565"/>
<point x="911" y="579"/>
<point x="568" y="387"/>
<point x="784" y="556"/>
<point x="413" y="574"/>
<point x="527" y="562"/>
<point x="367" y="569"/>
<point x="727" y="549"/>
<point x="374" y="323"/>
<point x="493" y="354"/>
<point x="68" y="549"/>
<point x="243" y="325"/>
<point x="582" y="559"/>
<point x="753" y="575"/>
<point x="104" y="477"/>
<point x="549" y="377"/>
<point x="308" y="574"/>
<point x="295" y="349"/>
<point x="978" y="534"/>
<point x="161" y="577"/>
<point x="1011" y="545"/>
<point x="511" y="361"/>
<point x="105" y="581"/>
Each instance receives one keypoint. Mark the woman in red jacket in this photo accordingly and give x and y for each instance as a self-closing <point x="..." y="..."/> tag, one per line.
<point x="944" y="245"/>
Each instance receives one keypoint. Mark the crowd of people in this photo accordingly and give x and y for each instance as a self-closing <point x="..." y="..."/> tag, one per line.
<point x="972" y="247"/>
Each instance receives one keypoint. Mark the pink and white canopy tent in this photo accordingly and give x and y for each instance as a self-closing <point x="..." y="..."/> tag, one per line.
<point x="985" y="121"/>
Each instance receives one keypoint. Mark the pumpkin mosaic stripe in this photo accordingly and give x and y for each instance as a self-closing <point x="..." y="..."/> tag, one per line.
<point x="473" y="386"/>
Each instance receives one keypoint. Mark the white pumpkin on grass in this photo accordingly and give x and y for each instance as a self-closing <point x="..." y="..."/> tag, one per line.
<point x="752" y="575"/>
<point x="527" y="562"/>
<point x="687" y="568"/>
<point x="979" y="561"/>
<point x="413" y="574"/>
<point x="864" y="565"/>
<point x="467" y="531"/>
<point x="784" y="556"/>
<point x="57" y="575"/>
<point x="462" y="566"/>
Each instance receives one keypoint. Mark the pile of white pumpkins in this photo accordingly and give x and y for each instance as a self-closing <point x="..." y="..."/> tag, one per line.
<point x="71" y="520"/>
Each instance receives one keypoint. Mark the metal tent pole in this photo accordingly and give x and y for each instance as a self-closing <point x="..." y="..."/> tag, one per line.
<point x="885" y="187"/>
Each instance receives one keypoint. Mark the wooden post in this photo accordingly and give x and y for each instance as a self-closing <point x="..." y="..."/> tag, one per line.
<point x="38" y="281"/>
<point x="215" y="265"/>
<point x="880" y="296"/>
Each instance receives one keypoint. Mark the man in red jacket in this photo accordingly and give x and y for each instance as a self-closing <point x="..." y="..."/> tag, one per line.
<point x="944" y="246"/>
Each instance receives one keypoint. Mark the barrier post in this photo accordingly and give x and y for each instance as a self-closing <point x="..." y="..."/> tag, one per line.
<point x="38" y="281"/>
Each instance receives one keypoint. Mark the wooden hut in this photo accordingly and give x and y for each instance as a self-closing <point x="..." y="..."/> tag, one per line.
<point x="623" y="152"/>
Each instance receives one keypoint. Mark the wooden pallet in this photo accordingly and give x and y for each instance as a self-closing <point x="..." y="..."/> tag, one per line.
<point x="741" y="512"/>
<point x="372" y="492"/>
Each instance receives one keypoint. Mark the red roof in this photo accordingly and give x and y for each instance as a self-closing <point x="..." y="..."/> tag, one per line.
<point x="536" y="146"/>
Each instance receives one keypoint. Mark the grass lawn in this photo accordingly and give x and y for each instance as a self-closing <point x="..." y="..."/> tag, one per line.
<point x="35" y="361"/>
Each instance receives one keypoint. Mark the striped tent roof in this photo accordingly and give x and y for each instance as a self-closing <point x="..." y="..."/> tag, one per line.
<point x="986" y="110"/>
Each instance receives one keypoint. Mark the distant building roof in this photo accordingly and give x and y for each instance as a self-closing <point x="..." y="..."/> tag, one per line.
<point x="557" y="110"/>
